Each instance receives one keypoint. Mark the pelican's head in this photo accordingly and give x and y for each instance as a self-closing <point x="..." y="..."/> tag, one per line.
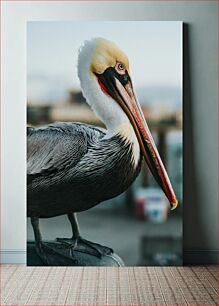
<point x="106" y="55"/>
<point x="103" y="70"/>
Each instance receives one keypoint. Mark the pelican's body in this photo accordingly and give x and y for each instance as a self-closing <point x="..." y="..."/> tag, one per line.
<point x="73" y="167"/>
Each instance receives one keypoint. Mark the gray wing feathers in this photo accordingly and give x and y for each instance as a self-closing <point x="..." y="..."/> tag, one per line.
<point x="55" y="147"/>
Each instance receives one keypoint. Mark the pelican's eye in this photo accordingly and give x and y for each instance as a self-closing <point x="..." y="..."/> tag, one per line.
<point x="120" y="68"/>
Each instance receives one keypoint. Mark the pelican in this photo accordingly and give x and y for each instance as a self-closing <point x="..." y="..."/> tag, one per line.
<point x="71" y="167"/>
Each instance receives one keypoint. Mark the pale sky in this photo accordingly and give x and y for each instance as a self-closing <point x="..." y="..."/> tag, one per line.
<point x="154" y="50"/>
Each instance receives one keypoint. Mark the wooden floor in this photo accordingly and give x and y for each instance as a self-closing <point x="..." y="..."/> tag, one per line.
<point x="108" y="286"/>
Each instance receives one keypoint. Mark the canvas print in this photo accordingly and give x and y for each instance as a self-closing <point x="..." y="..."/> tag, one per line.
<point x="104" y="143"/>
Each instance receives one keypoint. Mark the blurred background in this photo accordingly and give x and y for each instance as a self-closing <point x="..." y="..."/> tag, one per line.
<point x="137" y="224"/>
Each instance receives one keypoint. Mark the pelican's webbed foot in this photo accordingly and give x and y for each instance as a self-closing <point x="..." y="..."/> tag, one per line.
<point x="82" y="245"/>
<point x="42" y="250"/>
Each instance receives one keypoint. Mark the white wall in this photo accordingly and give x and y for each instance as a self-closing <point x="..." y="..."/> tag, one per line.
<point x="200" y="112"/>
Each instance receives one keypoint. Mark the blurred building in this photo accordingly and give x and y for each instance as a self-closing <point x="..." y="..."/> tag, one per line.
<point x="75" y="108"/>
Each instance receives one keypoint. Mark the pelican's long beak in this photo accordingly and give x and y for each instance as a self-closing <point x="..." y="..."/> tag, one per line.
<point x="120" y="88"/>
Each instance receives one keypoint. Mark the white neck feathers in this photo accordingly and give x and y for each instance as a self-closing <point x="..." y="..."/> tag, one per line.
<point x="108" y="110"/>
